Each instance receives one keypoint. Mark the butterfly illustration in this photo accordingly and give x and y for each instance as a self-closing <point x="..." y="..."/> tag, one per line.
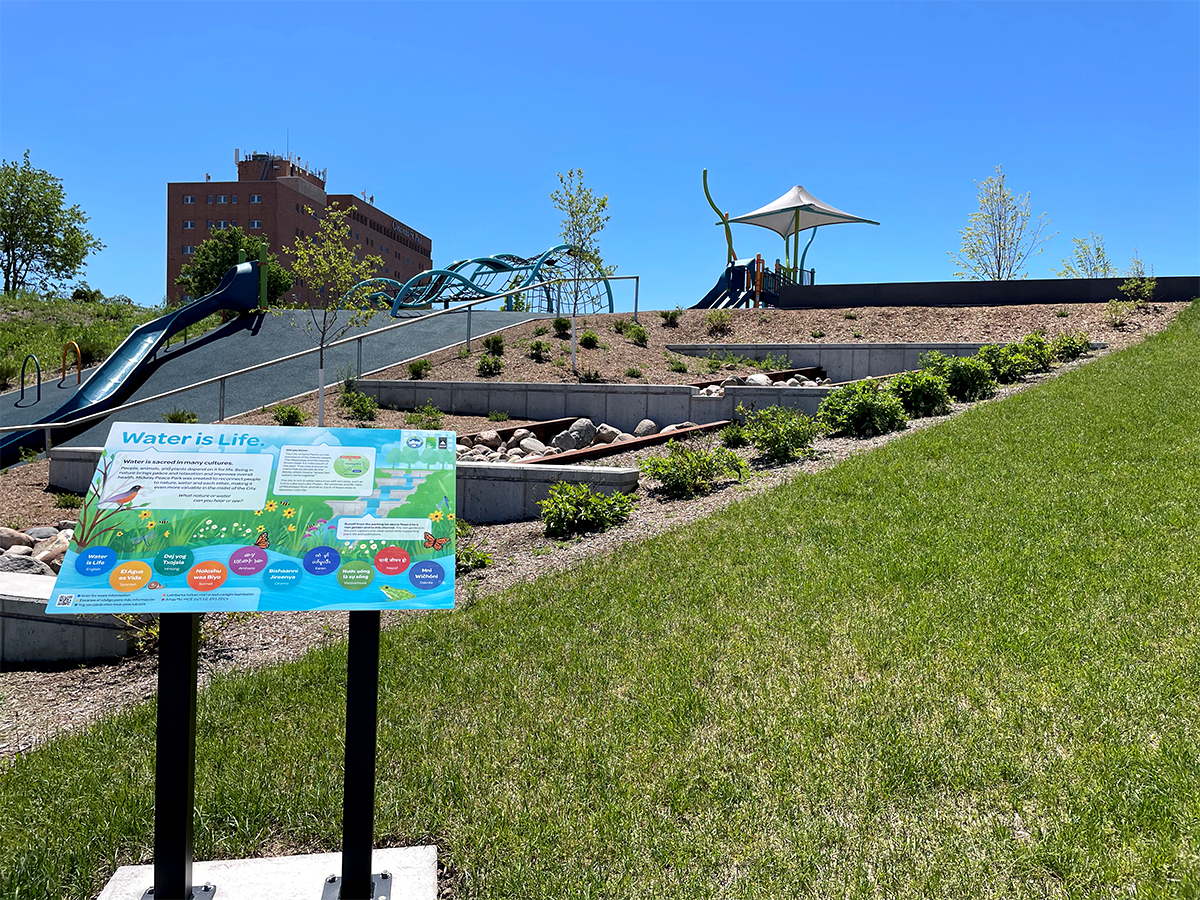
<point x="263" y="541"/>
<point x="435" y="543"/>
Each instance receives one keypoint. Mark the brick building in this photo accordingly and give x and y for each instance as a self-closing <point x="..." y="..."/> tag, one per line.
<point x="269" y="199"/>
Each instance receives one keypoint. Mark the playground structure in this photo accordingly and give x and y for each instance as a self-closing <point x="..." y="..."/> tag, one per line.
<point x="749" y="282"/>
<point x="561" y="280"/>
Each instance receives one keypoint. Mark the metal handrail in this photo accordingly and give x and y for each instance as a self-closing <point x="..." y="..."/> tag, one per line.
<point x="220" y="379"/>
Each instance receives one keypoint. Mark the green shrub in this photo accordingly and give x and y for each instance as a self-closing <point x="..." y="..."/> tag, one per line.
<point x="463" y="352"/>
<point x="576" y="509"/>
<point x="9" y="370"/>
<point x="562" y="327"/>
<point x="633" y="372"/>
<point x="619" y="325"/>
<point x="1006" y="362"/>
<point x="718" y="322"/>
<point x="540" y="330"/>
<point x="589" y="340"/>
<point x="921" y="393"/>
<point x="1070" y="346"/>
<point x="677" y="365"/>
<point x="818" y="333"/>
<point x="68" y="500"/>
<point x="850" y="315"/>
<point x="468" y="558"/>
<point x="1138" y="291"/>
<point x="638" y="335"/>
<point x="772" y="363"/>
<point x="670" y="317"/>
<point x="734" y="435"/>
<point x="779" y="433"/>
<point x="539" y="351"/>
<point x="427" y="417"/>
<point x="685" y="472"/>
<point x="561" y="362"/>
<point x="858" y="334"/>
<point x="179" y="416"/>
<point x="590" y="376"/>
<point x="489" y="366"/>
<point x="1117" y="312"/>
<point x="967" y="377"/>
<point x="360" y="407"/>
<point x="419" y="368"/>
<point x="494" y="344"/>
<point x="1062" y="313"/>
<point x="861" y="410"/>
<point x="498" y="415"/>
<point x="288" y="415"/>
<point x="1038" y="350"/>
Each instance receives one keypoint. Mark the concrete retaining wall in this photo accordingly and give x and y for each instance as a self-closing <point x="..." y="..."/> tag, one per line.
<point x="29" y="635"/>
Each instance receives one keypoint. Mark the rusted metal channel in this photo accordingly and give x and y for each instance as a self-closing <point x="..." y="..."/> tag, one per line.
<point x="543" y="431"/>
<point x="596" y="451"/>
<point x="813" y="372"/>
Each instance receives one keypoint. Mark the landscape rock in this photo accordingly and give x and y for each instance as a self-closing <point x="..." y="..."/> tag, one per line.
<point x="733" y="381"/>
<point x="552" y="451"/>
<point x="465" y="441"/>
<point x="624" y="436"/>
<point x="532" y="445"/>
<point x="519" y="435"/>
<point x="489" y="439"/>
<point x="66" y="523"/>
<point x="19" y="550"/>
<point x="41" y="532"/>
<point x="584" y="431"/>
<point x="12" y="538"/>
<point x="606" y="434"/>
<point x="55" y="565"/>
<point x="759" y="379"/>
<point x="645" y="427"/>
<point x="565" y="440"/>
<point x="793" y="382"/>
<point x="24" y="565"/>
<point x="514" y="453"/>
<point x="677" y="426"/>
<point x="52" y="548"/>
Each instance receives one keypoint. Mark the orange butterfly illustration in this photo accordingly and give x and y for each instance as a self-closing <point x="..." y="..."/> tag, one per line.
<point x="435" y="543"/>
<point x="263" y="542"/>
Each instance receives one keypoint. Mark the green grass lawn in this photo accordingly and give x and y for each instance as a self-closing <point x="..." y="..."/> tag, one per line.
<point x="966" y="664"/>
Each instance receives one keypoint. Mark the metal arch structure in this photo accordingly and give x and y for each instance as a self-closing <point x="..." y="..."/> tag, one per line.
<point x="583" y="288"/>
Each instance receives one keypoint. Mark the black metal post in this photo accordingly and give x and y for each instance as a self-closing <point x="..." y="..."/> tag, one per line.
<point x="358" y="799"/>
<point x="175" y="760"/>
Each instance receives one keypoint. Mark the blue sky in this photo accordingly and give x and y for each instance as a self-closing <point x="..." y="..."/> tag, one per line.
<point x="456" y="117"/>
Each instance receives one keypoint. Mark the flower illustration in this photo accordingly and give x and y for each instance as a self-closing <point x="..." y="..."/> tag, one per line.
<point x="450" y="516"/>
<point x="166" y="534"/>
<point x="145" y="514"/>
<point x="288" y="513"/>
<point x="119" y="533"/>
<point x="258" y="512"/>
<point x="262" y="528"/>
<point x="271" y="506"/>
<point x="291" y="528"/>
<point x="436" y="516"/>
<point x="150" y="524"/>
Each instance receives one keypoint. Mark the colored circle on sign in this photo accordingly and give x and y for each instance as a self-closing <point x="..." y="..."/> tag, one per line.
<point x="207" y="576"/>
<point x="427" y="575"/>
<point x="130" y="576"/>
<point x="322" y="560"/>
<point x="173" y="561"/>
<point x="392" y="560"/>
<point x="247" y="561"/>
<point x="351" y="466"/>
<point x="355" y="575"/>
<point x="282" y="575"/>
<point x="94" y="561"/>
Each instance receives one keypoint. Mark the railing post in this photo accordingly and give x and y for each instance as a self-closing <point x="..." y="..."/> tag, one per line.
<point x="221" y="402"/>
<point x="469" y="308"/>
<point x="637" y="283"/>
<point x="47" y="441"/>
<point x="360" y="340"/>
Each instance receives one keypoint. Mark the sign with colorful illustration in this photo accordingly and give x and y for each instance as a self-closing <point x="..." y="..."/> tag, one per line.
<point x="202" y="518"/>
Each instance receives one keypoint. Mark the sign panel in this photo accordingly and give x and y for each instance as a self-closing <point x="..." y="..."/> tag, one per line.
<point x="200" y="518"/>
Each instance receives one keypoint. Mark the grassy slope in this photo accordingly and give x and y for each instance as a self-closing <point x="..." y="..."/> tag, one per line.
<point x="851" y="686"/>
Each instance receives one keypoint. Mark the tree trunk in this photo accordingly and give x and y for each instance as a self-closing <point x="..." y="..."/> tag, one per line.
<point x="321" y="388"/>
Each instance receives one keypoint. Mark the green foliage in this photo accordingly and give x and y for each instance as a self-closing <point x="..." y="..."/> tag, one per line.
<point x="494" y="344"/>
<point x="28" y="455"/>
<point x="539" y="351"/>
<point x="779" y="433"/>
<point x="561" y="362"/>
<point x="633" y="372"/>
<point x="584" y="217"/>
<point x="718" y="322"/>
<point x="850" y="315"/>
<point x="817" y="333"/>
<point x="1138" y="288"/>
<point x="619" y="325"/>
<point x="288" y="415"/>
<point x="419" y="368"/>
<point x="861" y="410"/>
<point x="967" y="377"/>
<point x="68" y="500"/>
<point x="921" y="393"/>
<point x="1062" y="313"/>
<point x="686" y="472"/>
<point x="1000" y="237"/>
<point x="1117" y="312"/>
<point x="1007" y="362"/>
<point x="9" y="370"/>
<point x="468" y="558"/>
<point x="858" y="334"/>
<point x="540" y="330"/>
<point x="426" y="417"/>
<point x="179" y="416"/>
<point x="463" y="352"/>
<point x="217" y="254"/>
<point x="1070" y="345"/>
<point x="638" y="335"/>
<point x="772" y="363"/>
<point x="1088" y="260"/>
<point x="676" y="364"/>
<point x="360" y="407"/>
<point x="589" y="340"/>
<point x="1038" y="350"/>
<point x="498" y="415"/>
<point x="576" y="509"/>
<point x="590" y="376"/>
<point x="670" y="317"/>
<point x="734" y="435"/>
<point x="562" y="327"/>
<point x="42" y="240"/>
<point x="489" y="365"/>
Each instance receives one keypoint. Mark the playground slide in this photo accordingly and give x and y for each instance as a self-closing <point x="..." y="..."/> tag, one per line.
<point x="720" y="296"/>
<point x="115" y="379"/>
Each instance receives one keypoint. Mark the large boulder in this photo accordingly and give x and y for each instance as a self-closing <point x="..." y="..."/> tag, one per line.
<point x="606" y="434"/>
<point x="645" y="427"/>
<point x="584" y="431"/>
<point x="490" y="439"/>
<point x="759" y="379"/>
<point x="52" y="548"/>
<point x="41" y="532"/>
<point x="733" y="381"/>
<point x="564" y="441"/>
<point x="19" y="550"/>
<point x="673" y="428"/>
<point x="12" y="538"/>
<point x="624" y="436"/>
<point x="465" y="441"/>
<point x="532" y="445"/>
<point x="519" y="435"/>
<point x="24" y="565"/>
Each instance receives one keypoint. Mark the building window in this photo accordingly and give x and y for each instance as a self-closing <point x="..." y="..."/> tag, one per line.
<point x="189" y="198"/>
<point x="210" y="198"/>
<point x="297" y="207"/>
<point x="188" y="249"/>
<point x="222" y="198"/>
<point x="210" y="224"/>
<point x="233" y="224"/>
<point x="256" y="223"/>
<point x="221" y="223"/>
<point x="235" y="198"/>
<point x="256" y="198"/>
<point x="189" y="225"/>
<point x="188" y="298"/>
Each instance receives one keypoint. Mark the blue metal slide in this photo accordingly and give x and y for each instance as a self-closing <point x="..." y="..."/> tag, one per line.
<point x="117" y="377"/>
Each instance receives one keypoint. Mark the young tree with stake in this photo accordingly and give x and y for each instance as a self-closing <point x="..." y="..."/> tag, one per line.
<point x="1000" y="238"/>
<point x="585" y="216"/>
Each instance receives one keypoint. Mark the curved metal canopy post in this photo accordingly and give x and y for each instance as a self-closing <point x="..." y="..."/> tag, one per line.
<point x="811" y="238"/>
<point x="724" y="217"/>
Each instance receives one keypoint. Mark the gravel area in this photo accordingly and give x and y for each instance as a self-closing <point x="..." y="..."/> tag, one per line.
<point x="37" y="704"/>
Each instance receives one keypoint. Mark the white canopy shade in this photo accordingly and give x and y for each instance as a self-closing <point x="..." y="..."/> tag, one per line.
<point x="780" y="215"/>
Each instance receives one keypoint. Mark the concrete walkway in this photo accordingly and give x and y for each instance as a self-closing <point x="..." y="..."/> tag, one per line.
<point x="252" y="341"/>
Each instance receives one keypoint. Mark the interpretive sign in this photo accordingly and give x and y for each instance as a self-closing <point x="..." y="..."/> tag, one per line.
<point x="204" y="518"/>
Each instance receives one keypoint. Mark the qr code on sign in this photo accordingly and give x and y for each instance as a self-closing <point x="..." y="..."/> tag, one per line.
<point x="64" y="600"/>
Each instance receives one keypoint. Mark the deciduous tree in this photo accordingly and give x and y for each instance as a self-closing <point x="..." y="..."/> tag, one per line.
<point x="1089" y="259"/>
<point x="1002" y="236"/>
<point x="584" y="217"/>
<point x="42" y="240"/>
<point x="215" y="255"/>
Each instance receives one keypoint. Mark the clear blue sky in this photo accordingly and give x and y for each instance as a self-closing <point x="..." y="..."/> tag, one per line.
<point x="456" y="117"/>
